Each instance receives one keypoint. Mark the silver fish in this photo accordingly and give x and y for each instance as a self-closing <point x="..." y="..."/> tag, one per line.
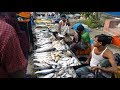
<point x="53" y="63"/>
<point x="42" y="66"/>
<point x="44" y="49"/>
<point x="60" y="72"/>
<point x="68" y="76"/>
<point x="45" y="71"/>
<point x="49" y="75"/>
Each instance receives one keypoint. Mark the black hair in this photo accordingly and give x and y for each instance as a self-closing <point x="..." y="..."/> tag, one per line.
<point x="56" y="21"/>
<point x="105" y="39"/>
<point x="80" y="27"/>
<point x="63" y="16"/>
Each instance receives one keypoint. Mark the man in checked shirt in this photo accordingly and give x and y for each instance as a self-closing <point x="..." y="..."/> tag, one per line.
<point x="13" y="63"/>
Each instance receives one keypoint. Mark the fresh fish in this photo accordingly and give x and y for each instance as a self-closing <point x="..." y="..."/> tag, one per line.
<point x="53" y="63"/>
<point x="54" y="66"/>
<point x="42" y="65"/>
<point x="60" y="72"/>
<point x="42" y="54"/>
<point x="66" y="58"/>
<point x="44" y="41"/>
<point x="46" y="45"/>
<point x="49" y="75"/>
<point x="62" y="76"/>
<point x="44" y="49"/>
<point x="68" y="76"/>
<point x="45" y="71"/>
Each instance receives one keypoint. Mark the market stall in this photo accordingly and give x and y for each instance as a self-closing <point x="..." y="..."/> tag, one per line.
<point x="52" y="57"/>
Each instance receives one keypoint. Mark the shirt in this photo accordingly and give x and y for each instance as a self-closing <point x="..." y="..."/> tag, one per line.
<point x="85" y="37"/>
<point x="11" y="19"/>
<point x="11" y="56"/>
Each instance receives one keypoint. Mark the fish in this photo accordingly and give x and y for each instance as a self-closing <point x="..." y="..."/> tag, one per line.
<point x="63" y="75"/>
<point x="49" y="75"/>
<point x="46" y="71"/>
<point x="53" y="63"/>
<point x="44" y="41"/>
<point x="46" y="45"/>
<point x="66" y="58"/>
<point x="60" y="72"/>
<point x="44" y="49"/>
<point x="42" y="66"/>
<point x="68" y="76"/>
<point x="42" y="54"/>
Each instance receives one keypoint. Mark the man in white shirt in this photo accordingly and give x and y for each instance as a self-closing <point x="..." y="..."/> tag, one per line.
<point x="99" y="53"/>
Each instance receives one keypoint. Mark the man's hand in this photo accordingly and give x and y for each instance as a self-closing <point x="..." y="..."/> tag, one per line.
<point x="95" y="68"/>
<point x="86" y="62"/>
<point x="76" y="37"/>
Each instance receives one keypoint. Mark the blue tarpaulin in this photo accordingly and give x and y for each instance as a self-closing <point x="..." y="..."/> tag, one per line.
<point x="77" y="24"/>
<point x="113" y="13"/>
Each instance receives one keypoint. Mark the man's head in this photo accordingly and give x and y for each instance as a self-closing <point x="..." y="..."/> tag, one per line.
<point x="63" y="18"/>
<point x="80" y="29"/>
<point x="10" y="18"/>
<point x="102" y="40"/>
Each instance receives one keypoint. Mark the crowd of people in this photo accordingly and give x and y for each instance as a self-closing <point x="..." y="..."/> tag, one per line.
<point x="16" y="42"/>
<point x="100" y="61"/>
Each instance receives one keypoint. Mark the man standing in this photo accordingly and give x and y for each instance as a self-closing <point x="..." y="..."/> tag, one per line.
<point x="12" y="61"/>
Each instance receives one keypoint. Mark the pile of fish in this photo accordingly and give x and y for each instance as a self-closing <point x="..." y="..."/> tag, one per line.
<point x="52" y="58"/>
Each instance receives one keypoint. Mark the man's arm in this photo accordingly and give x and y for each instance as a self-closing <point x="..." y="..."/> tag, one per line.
<point x="14" y="61"/>
<point x="59" y="28"/>
<point x="113" y="68"/>
<point x="88" y="59"/>
<point x="90" y="56"/>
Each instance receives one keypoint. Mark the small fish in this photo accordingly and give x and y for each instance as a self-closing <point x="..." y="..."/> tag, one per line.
<point x="60" y="72"/>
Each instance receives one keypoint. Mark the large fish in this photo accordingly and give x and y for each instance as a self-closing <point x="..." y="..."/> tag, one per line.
<point x="47" y="76"/>
<point x="42" y="65"/>
<point x="47" y="71"/>
<point x="52" y="63"/>
<point x="44" y="49"/>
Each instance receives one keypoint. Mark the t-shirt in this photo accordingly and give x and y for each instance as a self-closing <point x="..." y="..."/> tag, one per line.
<point x="85" y="37"/>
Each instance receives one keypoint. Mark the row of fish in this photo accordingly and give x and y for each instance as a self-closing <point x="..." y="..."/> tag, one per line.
<point x="52" y="59"/>
<point x="53" y="73"/>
